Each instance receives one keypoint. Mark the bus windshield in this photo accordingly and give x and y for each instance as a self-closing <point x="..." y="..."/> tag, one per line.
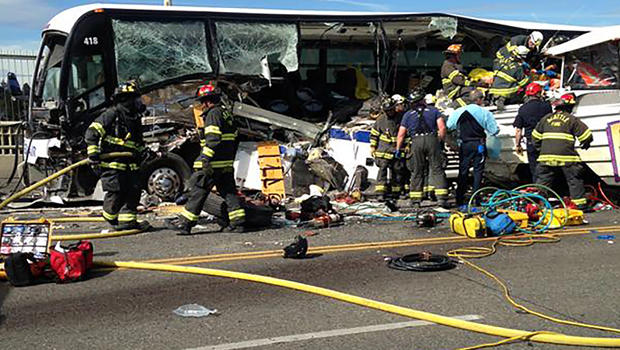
<point x="594" y="67"/>
<point x="48" y="76"/>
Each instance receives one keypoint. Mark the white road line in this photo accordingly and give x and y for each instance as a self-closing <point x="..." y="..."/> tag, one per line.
<point x="325" y="334"/>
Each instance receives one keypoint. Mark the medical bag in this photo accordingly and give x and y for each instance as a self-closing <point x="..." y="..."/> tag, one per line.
<point x="73" y="262"/>
<point x="468" y="225"/>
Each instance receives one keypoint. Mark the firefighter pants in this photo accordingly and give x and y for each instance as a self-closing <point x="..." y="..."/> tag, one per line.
<point x="122" y="195"/>
<point x="426" y="154"/>
<point x="384" y="184"/>
<point x="532" y="156"/>
<point x="223" y="179"/>
<point x="469" y="155"/>
<point x="573" y="173"/>
<point x="462" y="98"/>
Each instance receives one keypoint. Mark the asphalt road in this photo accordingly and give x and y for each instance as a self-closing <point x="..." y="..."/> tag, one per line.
<point x="576" y="279"/>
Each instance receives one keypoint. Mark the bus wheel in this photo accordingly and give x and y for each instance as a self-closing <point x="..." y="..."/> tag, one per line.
<point x="166" y="177"/>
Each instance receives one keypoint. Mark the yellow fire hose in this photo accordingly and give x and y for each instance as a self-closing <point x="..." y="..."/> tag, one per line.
<point x="543" y="337"/>
<point x="58" y="174"/>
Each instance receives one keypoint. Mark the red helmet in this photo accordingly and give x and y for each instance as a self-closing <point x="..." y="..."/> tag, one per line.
<point x="568" y="99"/>
<point x="533" y="89"/>
<point x="206" y="90"/>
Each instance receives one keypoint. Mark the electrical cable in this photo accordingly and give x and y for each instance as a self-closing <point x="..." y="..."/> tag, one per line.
<point x="421" y="262"/>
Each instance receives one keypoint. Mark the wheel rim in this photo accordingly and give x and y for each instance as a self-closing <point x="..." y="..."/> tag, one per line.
<point x="165" y="183"/>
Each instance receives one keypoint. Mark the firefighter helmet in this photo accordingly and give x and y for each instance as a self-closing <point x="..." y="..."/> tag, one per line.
<point x="207" y="90"/>
<point x="454" y="49"/>
<point x="533" y="89"/>
<point x="390" y="103"/>
<point x="415" y="96"/>
<point x="128" y="88"/>
<point x="536" y="38"/>
<point x="568" y="99"/>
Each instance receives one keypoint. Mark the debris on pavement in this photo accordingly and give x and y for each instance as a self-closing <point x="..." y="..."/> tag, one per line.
<point x="194" y="310"/>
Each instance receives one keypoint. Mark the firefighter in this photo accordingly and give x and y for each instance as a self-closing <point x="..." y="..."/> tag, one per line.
<point x="425" y="126"/>
<point x="508" y="77"/>
<point x="530" y="113"/>
<point x="507" y="66"/>
<point x="119" y="129"/>
<point x="383" y="147"/>
<point x="455" y="83"/>
<point x="473" y="123"/>
<point x="554" y="138"/>
<point x="215" y="165"/>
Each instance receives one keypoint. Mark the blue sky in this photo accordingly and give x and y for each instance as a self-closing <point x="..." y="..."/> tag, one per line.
<point x="22" y="20"/>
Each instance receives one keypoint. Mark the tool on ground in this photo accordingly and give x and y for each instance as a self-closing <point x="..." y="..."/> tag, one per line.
<point x="297" y="249"/>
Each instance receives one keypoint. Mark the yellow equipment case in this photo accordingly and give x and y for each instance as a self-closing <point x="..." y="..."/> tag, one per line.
<point x="469" y="225"/>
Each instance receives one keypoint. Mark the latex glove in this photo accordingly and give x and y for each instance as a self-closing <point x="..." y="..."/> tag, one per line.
<point x="94" y="159"/>
<point x="398" y="154"/>
<point x="525" y="65"/>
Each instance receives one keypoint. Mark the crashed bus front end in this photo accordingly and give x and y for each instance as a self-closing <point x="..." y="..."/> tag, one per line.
<point x="302" y="79"/>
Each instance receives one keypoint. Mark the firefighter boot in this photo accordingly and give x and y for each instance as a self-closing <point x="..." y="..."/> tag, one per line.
<point x="133" y="225"/>
<point x="182" y="226"/>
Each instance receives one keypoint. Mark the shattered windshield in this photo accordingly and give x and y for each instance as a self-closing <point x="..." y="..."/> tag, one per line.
<point x="155" y="51"/>
<point x="48" y="77"/>
<point x="243" y="46"/>
<point x="594" y="67"/>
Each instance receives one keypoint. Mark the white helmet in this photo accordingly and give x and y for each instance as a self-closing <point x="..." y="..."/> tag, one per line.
<point x="522" y="51"/>
<point x="536" y="37"/>
<point x="430" y="99"/>
<point x="397" y="99"/>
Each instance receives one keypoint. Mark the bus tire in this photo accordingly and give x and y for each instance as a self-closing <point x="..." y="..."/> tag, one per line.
<point x="166" y="177"/>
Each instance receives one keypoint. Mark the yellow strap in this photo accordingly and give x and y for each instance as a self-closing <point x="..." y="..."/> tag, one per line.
<point x="114" y="165"/>
<point x="558" y="158"/>
<point x="375" y="132"/>
<point x="197" y="164"/>
<point x="98" y="127"/>
<point x="384" y="155"/>
<point x="453" y="93"/>
<point x="236" y="214"/>
<point x="109" y="216"/>
<point x="453" y="74"/>
<point x="229" y="137"/>
<point x="92" y="149"/>
<point x="189" y="215"/>
<point x="461" y="102"/>
<point x="222" y="163"/>
<point x="557" y="136"/>
<point x="585" y="135"/>
<point x="127" y="217"/>
<point x="537" y="135"/>
<point x="213" y="129"/>
<point x="120" y="142"/>
<point x="505" y="76"/>
<point x="208" y="151"/>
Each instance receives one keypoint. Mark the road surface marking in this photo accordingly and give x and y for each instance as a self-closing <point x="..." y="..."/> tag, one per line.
<point x="360" y="246"/>
<point x="326" y="334"/>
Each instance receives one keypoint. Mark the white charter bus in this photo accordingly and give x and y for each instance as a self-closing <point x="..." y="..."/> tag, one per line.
<point x="295" y="68"/>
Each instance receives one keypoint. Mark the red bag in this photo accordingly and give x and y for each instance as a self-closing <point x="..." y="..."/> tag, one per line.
<point x="71" y="263"/>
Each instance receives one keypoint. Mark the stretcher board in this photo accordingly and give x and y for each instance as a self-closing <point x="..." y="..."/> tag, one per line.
<point x="613" y="136"/>
<point x="25" y="236"/>
<point x="271" y="170"/>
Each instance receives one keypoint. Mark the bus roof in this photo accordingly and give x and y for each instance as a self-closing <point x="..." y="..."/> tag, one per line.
<point x="65" y="20"/>
<point x="595" y="37"/>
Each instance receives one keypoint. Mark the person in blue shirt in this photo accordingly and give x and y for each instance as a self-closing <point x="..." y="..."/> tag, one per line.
<point x="530" y="113"/>
<point x="473" y="123"/>
<point x="425" y="126"/>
